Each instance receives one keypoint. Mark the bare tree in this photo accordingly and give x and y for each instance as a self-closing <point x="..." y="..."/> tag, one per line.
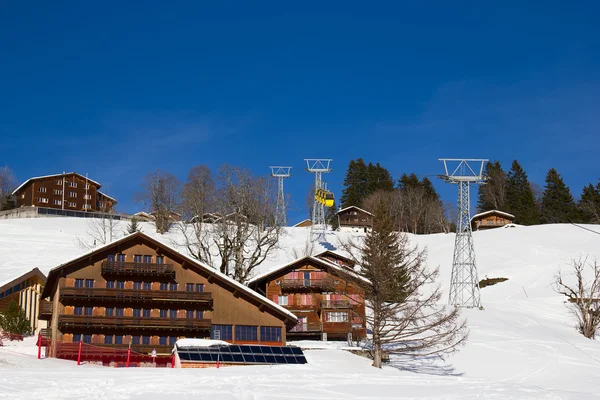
<point x="583" y="293"/>
<point x="7" y="185"/>
<point x="403" y="297"/>
<point x="160" y="193"/>
<point x="308" y="249"/>
<point x="100" y="231"/>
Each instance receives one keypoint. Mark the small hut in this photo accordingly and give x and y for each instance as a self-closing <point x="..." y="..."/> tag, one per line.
<point x="491" y="219"/>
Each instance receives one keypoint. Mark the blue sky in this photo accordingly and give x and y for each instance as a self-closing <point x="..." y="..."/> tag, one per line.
<point x="118" y="89"/>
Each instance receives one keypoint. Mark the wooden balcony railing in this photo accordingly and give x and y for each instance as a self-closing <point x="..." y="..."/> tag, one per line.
<point x="71" y="295"/>
<point x="309" y="327"/>
<point x="45" y="310"/>
<point x="334" y="304"/>
<point x="67" y="322"/>
<point x="325" y="284"/>
<point x="137" y="269"/>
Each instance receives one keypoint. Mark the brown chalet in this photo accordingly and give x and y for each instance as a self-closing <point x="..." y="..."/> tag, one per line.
<point x="25" y="291"/>
<point x="355" y="218"/>
<point x="491" y="219"/>
<point x="67" y="191"/>
<point x="323" y="291"/>
<point x="137" y="290"/>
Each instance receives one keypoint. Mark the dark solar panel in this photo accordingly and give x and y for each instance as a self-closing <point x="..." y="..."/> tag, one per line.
<point x="243" y="354"/>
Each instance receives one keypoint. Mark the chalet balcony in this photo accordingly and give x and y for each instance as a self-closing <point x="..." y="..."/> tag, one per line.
<point x="90" y="323"/>
<point x="45" y="310"/>
<point x="138" y="269"/>
<point x="307" y="328"/>
<point x="335" y="304"/>
<point x="99" y="296"/>
<point x="308" y="285"/>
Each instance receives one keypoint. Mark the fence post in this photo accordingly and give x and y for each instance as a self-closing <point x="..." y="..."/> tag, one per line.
<point x="39" y="346"/>
<point x="79" y="353"/>
<point x="128" y="356"/>
<point x="173" y="360"/>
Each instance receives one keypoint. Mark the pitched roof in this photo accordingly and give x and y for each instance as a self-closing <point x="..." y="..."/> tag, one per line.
<point x="55" y="175"/>
<point x="27" y="275"/>
<point x="357" y="208"/>
<point x="483" y="214"/>
<point x="301" y="222"/>
<point x="319" y="261"/>
<point x="336" y="255"/>
<point x="107" y="196"/>
<point x="54" y="273"/>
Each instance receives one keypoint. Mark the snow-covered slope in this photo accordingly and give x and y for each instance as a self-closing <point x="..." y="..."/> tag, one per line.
<point x="523" y="345"/>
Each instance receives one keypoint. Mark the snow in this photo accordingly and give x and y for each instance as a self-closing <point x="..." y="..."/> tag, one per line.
<point x="492" y="212"/>
<point x="523" y="345"/>
<point x="181" y="343"/>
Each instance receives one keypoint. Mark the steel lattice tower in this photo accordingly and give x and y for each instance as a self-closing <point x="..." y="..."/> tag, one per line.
<point x="464" y="283"/>
<point x="318" y="166"/>
<point x="280" y="173"/>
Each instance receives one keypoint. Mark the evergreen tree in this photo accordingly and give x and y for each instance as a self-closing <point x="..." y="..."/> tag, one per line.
<point x="331" y="217"/>
<point x="520" y="200"/>
<point x="589" y="205"/>
<point x="13" y="320"/>
<point x="378" y="178"/>
<point x="133" y="226"/>
<point x="362" y="180"/>
<point x="408" y="181"/>
<point x="492" y="195"/>
<point x="557" y="203"/>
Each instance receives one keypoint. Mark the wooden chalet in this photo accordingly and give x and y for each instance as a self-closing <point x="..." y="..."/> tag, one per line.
<point x="66" y="191"/>
<point x="355" y="218"/>
<point x="137" y="290"/>
<point x="326" y="296"/>
<point x="491" y="219"/>
<point x="25" y="290"/>
<point x="303" y="224"/>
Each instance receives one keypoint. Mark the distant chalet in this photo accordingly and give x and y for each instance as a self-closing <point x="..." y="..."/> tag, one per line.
<point x="68" y="191"/>
<point x="355" y="218"/>
<point x="491" y="219"/>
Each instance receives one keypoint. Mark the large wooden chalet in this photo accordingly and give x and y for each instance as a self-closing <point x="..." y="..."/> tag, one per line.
<point x="25" y="291"/>
<point x="67" y="191"/>
<point x="324" y="293"/>
<point x="137" y="290"/>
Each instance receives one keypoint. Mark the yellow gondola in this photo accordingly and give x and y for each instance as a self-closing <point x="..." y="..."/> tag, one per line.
<point x="324" y="197"/>
<point x="328" y="199"/>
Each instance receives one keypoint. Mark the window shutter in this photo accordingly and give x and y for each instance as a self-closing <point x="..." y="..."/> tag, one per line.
<point x="290" y="299"/>
<point x="275" y="299"/>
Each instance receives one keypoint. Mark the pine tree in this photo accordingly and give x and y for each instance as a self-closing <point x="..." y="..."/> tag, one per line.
<point x="354" y="183"/>
<point x="408" y="181"/>
<point x="492" y="195"/>
<point x="520" y="200"/>
<point x="589" y="205"/>
<point x="378" y="178"/>
<point x="331" y="217"/>
<point x="557" y="202"/>
<point x="133" y="226"/>
<point x="13" y="320"/>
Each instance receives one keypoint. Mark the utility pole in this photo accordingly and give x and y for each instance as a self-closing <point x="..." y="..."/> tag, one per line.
<point x="318" y="166"/>
<point x="464" y="282"/>
<point x="280" y="173"/>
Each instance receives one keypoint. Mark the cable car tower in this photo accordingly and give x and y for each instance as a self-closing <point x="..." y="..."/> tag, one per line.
<point x="319" y="166"/>
<point x="280" y="173"/>
<point x="464" y="283"/>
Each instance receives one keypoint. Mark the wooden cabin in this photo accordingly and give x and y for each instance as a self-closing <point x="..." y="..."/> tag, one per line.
<point x="25" y="290"/>
<point x="67" y="191"/>
<point x="355" y="218"/>
<point x="491" y="219"/>
<point x="303" y="224"/>
<point x="328" y="299"/>
<point x="137" y="290"/>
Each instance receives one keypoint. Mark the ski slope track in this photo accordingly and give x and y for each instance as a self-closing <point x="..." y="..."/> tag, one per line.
<point x="523" y="345"/>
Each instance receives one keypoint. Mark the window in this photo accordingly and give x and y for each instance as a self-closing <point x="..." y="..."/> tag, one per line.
<point x="135" y="340"/>
<point x="163" y="313"/>
<point x="145" y="339"/>
<point x="137" y="312"/>
<point x="59" y="182"/>
<point x="23" y="196"/>
<point x="199" y="314"/>
<point x="87" y="196"/>
<point x="172" y="340"/>
<point x="78" y="310"/>
<point x="72" y="204"/>
<point x="147" y="285"/>
<point x="73" y="194"/>
<point x="73" y="184"/>
<point x="137" y="285"/>
<point x="108" y="339"/>
<point x="148" y="259"/>
<point x="110" y="284"/>
<point x="87" y="338"/>
<point x="42" y="189"/>
<point x="118" y="339"/>
<point x="119" y="311"/>
<point x="78" y="282"/>
<point x="57" y="202"/>
<point x="189" y="314"/>
<point x="160" y="259"/>
<point x="120" y="257"/>
<point x="120" y="285"/>
<point x="89" y="283"/>
<point x="76" y="338"/>
<point x="89" y="310"/>
<point x="42" y="200"/>
<point x="162" y="340"/>
<point x="336" y="317"/>
<point x="189" y="287"/>
<point x="87" y="206"/>
<point x="109" y="312"/>
<point x="137" y="258"/>
<point x="270" y="334"/>
<point x="110" y="258"/>
<point x="282" y="300"/>
<point x="244" y="332"/>
<point x="172" y="313"/>
<point x="146" y="312"/>
<point x="221" y="332"/>
<point x="173" y="287"/>
<point x="199" y="287"/>
<point x="164" y="286"/>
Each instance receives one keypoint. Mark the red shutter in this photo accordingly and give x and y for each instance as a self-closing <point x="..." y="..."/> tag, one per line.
<point x="275" y="299"/>
<point x="290" y="299"/>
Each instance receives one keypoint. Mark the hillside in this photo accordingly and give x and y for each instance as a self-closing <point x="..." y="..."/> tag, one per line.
<point x="523" y="345"/>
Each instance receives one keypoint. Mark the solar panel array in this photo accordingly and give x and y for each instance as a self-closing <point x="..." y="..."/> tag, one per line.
<point x="242" y="354"/>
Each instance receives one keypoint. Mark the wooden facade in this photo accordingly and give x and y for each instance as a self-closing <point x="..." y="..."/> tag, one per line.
<point x="25" y="290"/>
<point x="491" y="219"/>
<point x="137" y="290"/>
<point x="303" y="224"/>
<point x="355" y="218"/>
<point x="327" y="298"/>
<point x="68" y="191"/>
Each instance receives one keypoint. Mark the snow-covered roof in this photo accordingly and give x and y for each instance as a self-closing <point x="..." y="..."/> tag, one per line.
<point x="13" y="281"/>
<point x="54" y="271"/>
<point x="182" y="343"/>
<point x="354" y="207"/>
<point x="323" y="262"/>
<point x="107" y="196"/>
<point x="55" y="175"/>
<point x="301" y="222"/>
<point x="483" y="214"/>
<point x="143" y="214"/>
